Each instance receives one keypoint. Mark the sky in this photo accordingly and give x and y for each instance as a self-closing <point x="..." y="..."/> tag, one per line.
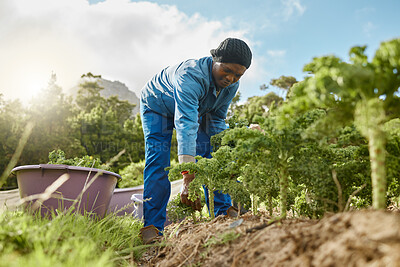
<point x="130" y="41"/>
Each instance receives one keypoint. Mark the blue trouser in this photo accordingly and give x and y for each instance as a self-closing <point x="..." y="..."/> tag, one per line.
<point x="203" y="148"/>
<point x="158" y="131"/>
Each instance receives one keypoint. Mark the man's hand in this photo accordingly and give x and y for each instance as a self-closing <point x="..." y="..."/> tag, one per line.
<point x="256" y="127"/>
<point x="187" y="179"/>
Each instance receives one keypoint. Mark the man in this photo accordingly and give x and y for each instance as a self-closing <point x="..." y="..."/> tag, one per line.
<point x="193" y="97"/>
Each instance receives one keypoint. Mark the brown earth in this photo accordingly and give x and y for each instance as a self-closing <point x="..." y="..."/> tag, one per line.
<point x="359" y="238"/>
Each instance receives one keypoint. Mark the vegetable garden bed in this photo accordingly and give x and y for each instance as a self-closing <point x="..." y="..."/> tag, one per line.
<point x="361" y="238"/>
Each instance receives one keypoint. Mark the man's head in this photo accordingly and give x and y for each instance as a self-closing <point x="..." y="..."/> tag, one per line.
<point x="231" y="59"/>
<point x="232" y="50"/>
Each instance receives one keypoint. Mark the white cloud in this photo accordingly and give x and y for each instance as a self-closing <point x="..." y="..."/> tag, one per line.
<point x="363" y="16"/>
<point x="276" y="53"/>
<point x="291" y="8"/>
<point x="364" y="12"/>
<point x="368" y="28"/>
<point x="119" y="39"/>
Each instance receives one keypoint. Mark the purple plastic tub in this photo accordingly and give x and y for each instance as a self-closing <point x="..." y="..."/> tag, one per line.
<point x="34" y="179"/>
<point x="121" y="202"/>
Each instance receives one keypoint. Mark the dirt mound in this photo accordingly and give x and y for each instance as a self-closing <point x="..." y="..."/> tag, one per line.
<point x="362" y="238"/>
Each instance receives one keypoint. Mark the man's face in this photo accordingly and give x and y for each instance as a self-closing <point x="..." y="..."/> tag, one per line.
<point x="226" y="74"/>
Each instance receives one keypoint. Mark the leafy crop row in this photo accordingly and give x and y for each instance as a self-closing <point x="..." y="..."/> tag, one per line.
<point x="331" y="146"/>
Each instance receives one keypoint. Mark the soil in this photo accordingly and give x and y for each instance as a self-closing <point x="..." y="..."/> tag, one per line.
<point x="359" y="238"/>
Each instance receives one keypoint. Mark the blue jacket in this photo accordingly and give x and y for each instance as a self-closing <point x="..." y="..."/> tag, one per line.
<point x="186" y="92"/>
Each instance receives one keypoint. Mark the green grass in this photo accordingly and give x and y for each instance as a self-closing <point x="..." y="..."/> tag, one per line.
<point x="68" y="240"/>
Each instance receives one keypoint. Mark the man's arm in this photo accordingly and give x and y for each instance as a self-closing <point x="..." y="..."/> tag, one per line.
<point x="187" y="93"/>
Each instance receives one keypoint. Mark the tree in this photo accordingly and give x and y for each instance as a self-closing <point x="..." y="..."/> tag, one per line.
<point x="88" y="96"/>
<point x="50" y="113"/>
<point x="104" y="127"/>
<point x="259" y="105"/>
<point x="90" y="75"/>
<point x="284" y="83"/>
<point x="12" y="123"/>
<point x="133" y="141"/>
<point x="233" y="108"/>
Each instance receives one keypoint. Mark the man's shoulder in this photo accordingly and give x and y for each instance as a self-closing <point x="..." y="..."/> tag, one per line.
<point x="198" y="69"/>
<point x="201" y="65"/>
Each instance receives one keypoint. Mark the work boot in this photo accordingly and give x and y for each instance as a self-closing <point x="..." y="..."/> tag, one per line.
<point x="149" y="234"/>
<point x="242" y="209"/>
<point x="232" y="212"/>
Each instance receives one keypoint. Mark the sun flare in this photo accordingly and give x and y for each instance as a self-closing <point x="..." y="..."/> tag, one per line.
<point x="33" y="85"/>
<point x="31" y="79"/>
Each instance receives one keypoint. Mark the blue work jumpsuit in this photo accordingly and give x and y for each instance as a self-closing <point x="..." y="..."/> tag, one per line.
<point x="183" y="96"/>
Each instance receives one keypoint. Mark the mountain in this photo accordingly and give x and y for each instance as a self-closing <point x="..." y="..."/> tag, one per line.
<point x="113" y="88"/>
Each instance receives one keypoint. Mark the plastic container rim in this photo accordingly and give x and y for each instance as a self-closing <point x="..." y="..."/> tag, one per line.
<point x="63" y="167"/>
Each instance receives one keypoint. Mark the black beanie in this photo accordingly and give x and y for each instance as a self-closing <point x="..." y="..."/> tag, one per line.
<point x="232" y="50"/>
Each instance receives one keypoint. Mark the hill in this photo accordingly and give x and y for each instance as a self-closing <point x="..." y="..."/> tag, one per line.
<point x="112" y="88"/>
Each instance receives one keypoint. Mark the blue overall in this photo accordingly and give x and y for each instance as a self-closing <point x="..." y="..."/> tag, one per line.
<point x="181" y="97"/>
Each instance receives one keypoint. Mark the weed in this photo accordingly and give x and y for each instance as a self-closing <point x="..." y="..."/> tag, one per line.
<point x="67" y="240"/>
<point x="221" y="239"/>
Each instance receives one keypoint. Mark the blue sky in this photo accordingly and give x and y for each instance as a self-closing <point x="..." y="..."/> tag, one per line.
<point x="129" y="41"/>
<point x="299" y="30"/>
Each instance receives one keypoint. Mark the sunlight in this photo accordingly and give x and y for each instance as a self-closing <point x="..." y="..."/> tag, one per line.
<point x="31" y="79"/>
<point x="33" y="84"/>
<point x="31" y="67"/>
